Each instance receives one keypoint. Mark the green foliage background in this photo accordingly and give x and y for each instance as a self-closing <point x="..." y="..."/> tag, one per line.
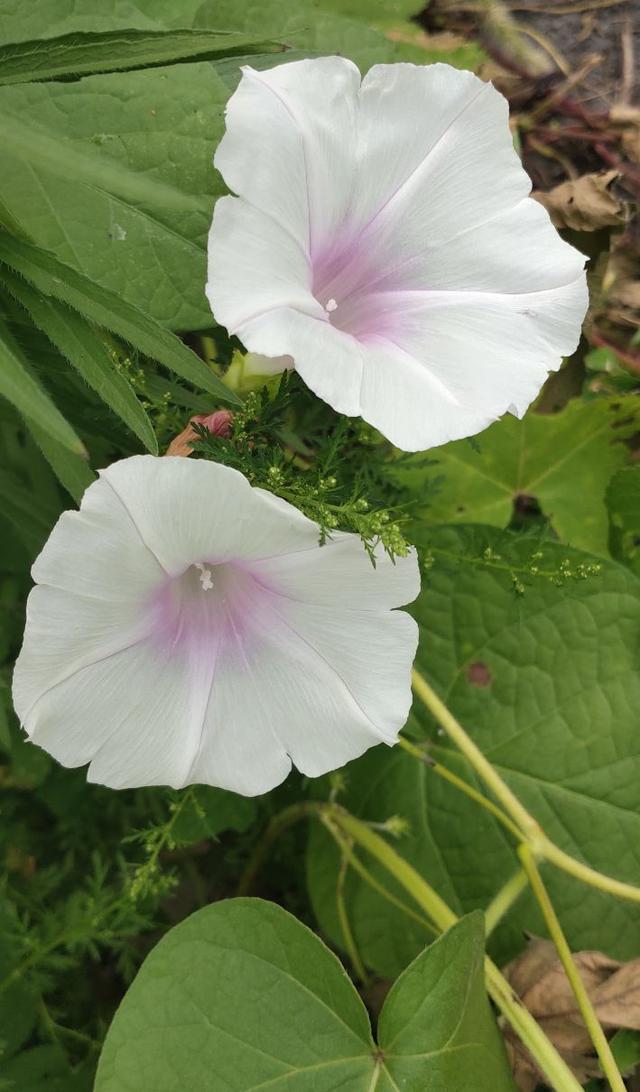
<point x="529" y="538"/>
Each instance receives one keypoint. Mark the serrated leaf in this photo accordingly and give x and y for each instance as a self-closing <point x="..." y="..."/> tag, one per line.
<point x="19" y="387"/>
<point x="547" y="685"/>
<point x="241" y="995"/>
<point x="563" y="460"/>
<point x="117" y="50"/>
<point x="73" y="471"/>
<point x="31" y="523"/>
<point x="86" y="350"/>
<point x="105" y="308"/>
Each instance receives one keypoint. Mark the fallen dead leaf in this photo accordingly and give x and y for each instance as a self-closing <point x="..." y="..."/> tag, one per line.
<point x="537" y="976"/>
<point x="585" y="204"/>
<point x="622" y="278"/>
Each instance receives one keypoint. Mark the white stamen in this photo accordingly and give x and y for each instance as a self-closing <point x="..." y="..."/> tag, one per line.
<point x="331" y="305"/>
<point x="205" y="576"/>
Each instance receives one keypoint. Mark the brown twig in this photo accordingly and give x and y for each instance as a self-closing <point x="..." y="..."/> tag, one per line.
<point x="558" y="95"/>
<point x="631" y="359"/>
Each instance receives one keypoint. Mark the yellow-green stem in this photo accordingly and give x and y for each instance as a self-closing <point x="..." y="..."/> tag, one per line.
<point x="542" y="1050"/>
<point x="598" y="1037"/>
<point x="552" y="853"/>
<point x="343" y="917"/>
<point x="539" y="1046"/>
<point x="412" y="881"/>
<point x="504" y="900"/>
<point x="369" y="878"/>
<point x="461" y="784"/>
<point x="526" y="824"/>
<point x="530" y="830"/>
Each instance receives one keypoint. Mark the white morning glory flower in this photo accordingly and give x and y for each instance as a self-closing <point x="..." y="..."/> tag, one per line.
<point x="383" y="238"/>
<point x="187" y="627"/>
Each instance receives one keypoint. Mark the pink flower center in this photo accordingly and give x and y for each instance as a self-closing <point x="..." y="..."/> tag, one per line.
<point x="208" y="603"/>
<point x="351" y="281"/>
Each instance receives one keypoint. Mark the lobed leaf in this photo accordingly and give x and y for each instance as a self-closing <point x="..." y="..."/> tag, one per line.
<point x="563" y="460"/>
<point x="242" y="996"/>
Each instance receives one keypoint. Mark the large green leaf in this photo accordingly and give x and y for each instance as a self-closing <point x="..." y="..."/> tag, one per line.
<point x="115" y="177"/>
<point x="107" y="309"/>
<point x="52" y="18"/>
<point x="314" y="26"/>
<point x="114" y="172"/>
<point x="242" y="996"/>
<point x="115" y="50"/>
<point x="547" y="684"/>
<point x="86" y="350"/>
<point x="19" y="387"/>
<point x="564" y="460"/>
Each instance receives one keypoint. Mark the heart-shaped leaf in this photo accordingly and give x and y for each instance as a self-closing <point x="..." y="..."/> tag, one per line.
<point x="242" y="996"/>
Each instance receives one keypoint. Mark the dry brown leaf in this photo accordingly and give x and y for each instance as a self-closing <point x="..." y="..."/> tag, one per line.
<point x="538" y="978"/>
<point x="622" y="278"/>
<point x="630" y="141"/>
<point x="585" y="204"/>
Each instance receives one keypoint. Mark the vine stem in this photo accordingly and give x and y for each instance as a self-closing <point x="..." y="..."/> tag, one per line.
<point x="348" y="831"/>
<point x="504" y="900"/>
<point x="448" y="775"/>
<point x="357" y="866"/>
<point x="345" y="925"/>
<point x="529" y="830"/>
<point x="278" y="824"/>
<point x="528" y="1030"/>
<point x="594" y="1027"/>
<point x="527" y="825"/>
<point x="588" y="875"/>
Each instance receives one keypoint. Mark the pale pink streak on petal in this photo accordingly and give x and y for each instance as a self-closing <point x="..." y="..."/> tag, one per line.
<point x="427" y="196"/>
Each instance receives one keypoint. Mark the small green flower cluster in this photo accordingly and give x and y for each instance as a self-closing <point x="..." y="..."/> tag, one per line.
<point x="333" y="472"/>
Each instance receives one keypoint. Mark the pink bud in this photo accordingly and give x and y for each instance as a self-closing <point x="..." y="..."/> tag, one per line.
<point x="218" y="423"/>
